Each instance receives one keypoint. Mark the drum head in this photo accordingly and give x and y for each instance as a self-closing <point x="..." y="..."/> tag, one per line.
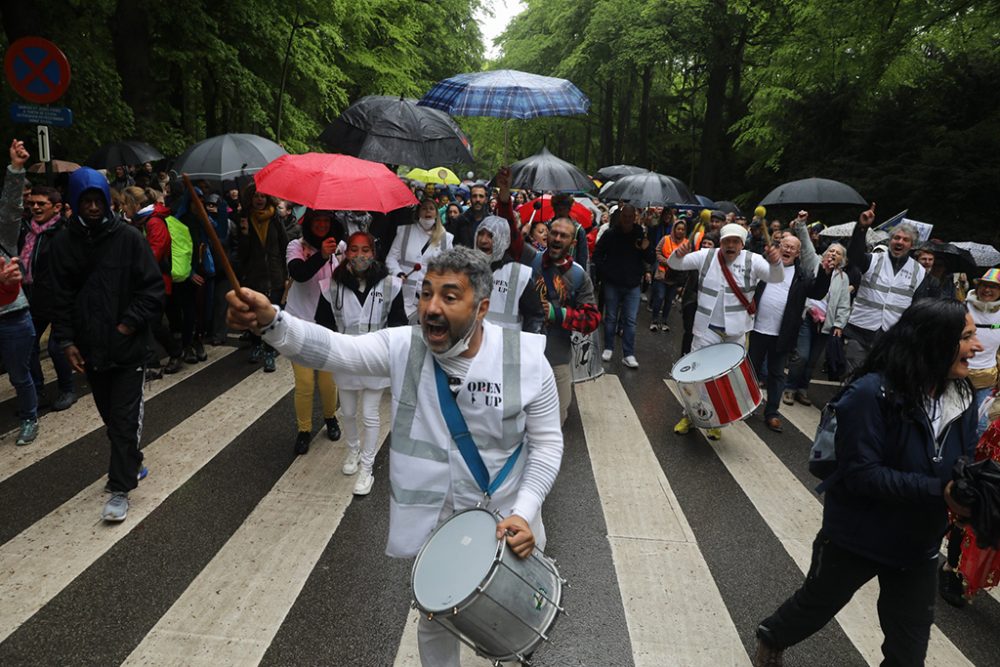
<point x="708" y="362"/>
<point x="455" y="560"/>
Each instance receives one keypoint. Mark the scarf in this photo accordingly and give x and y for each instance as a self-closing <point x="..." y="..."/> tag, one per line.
<point x="29" y="245"/>
<point x="261" y="221"/>
<point x="982" y="306"/>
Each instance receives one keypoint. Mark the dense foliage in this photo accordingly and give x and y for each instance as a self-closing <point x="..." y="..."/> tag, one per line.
<point x="897" y="97"/>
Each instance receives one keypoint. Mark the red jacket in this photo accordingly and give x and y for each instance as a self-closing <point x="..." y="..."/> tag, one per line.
<point x="158" y="237"/>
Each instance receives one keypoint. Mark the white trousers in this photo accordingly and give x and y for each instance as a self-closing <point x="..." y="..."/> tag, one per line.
<point x="438" y="647"/>
<point x="368" y="401"/>
<point x="712" y="337"/>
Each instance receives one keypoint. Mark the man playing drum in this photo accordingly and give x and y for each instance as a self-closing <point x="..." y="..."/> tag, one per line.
<point x="728" y="277"/>
<point x="501" y="382"/>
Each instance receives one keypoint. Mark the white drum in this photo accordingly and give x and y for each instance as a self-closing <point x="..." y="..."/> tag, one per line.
<point x="471" y="583"/>
<point x="717" y="385"/>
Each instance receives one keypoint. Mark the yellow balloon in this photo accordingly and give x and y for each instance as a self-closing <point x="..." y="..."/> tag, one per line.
<point x="706" y="215"/>
<point x="760" y="212"/>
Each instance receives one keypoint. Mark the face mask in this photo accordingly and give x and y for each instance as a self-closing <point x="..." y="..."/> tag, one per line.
<point x="359" y="264"/>
<point x="426" y="223"/>
<point x="461" y="345"/>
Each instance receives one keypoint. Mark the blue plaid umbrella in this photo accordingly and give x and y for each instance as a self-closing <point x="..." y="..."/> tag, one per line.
<point x="506" y="93"/>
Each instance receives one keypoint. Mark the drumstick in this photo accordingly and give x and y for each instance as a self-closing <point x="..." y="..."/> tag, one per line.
<point x="416" y="267"/>
<point x="220" y="251"/>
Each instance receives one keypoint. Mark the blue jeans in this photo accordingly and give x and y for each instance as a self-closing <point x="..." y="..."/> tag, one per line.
<point x="627" y="299"/>
<point x="660" y="299"/>
<point x="811" y="344"/>
<point x="64" y="372"/>
<point x="17" y="340"/>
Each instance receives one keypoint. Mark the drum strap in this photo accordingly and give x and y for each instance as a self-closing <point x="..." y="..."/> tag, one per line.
<point x="728" y="275"/>
<point x="466" y="445"/>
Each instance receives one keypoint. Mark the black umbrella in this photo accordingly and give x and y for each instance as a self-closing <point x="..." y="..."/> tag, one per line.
<point x="228" y="156"/>
<point x="544" y="171"/>
<point x="650" y="189"/>
<point x="395" y="130"/>
<point x="811" y="191"/>
<point x="122" y="153"/>
<point x="728" y="207"/>
<point x="616" y="171"/>
<point x="956" y="260"/>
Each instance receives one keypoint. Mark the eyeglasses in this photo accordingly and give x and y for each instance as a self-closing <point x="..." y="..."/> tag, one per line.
<point x="38" y="202"/>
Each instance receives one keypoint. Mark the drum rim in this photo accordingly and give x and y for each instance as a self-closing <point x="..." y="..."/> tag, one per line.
<point x="491" y="572"/>
<point x="714" y="377"/>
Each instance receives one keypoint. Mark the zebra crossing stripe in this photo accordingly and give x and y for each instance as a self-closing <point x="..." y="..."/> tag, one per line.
<point x="669" y="609"/>
<point x="232" y="610"/>
<point x="794" y="515"/>
<point x="43" y="559"/>
<point x="58" y="429"/>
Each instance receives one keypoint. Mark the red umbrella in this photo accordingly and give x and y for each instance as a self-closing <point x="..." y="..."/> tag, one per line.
<point x="334" y="183"/>
<point x="577" y="211"/>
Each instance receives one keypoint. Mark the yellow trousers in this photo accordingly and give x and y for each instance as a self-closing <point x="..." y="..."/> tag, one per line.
<point x="305" y="383"/>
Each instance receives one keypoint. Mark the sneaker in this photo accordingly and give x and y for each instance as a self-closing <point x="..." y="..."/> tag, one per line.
<point x="256" y="353"/>
<point x="199" y="350"/>
<point x="363" y="486"/>
<point x="64" y="402"/>
<point x="630" y="361"/>
<point x="951" y="587"/>
<point x="302" y="442"/>
<point x="116" y="509"/>
<point x="28" y="432"/>
<point x="606" y="355"/>
<point x="269" y="362"/>
<point x="654" y="327"/>
<point x="173" y="366"/>
<point x="768" y="656"/>
<point x="786" y="397"/>
<point x="154" y="374"/>
<point x="141" y="475"/>
<point x="351" y="462"/>
<point x="664" y="327"/>
<point x="802" y="397"/>
<point x="683" y="426"/>
<point x="713" y="433"/>
<point x="333" y="429"/>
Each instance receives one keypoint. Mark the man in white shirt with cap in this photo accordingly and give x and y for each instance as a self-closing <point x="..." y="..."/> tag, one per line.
<point x="725" y="311"/>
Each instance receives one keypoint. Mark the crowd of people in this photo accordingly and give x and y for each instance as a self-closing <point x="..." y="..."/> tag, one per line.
<point x="124" y="275"/>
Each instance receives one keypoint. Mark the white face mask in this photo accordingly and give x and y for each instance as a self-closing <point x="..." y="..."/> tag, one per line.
<point x="461" y="345"/>
<point x="426" y="223"/>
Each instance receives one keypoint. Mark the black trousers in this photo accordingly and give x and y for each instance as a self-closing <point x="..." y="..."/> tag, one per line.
<point x="764" y="348"/>
<point x="118" y="396"/>
<point x="905" y="602"/>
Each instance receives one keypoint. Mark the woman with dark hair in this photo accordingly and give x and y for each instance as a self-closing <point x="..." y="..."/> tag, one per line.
<point x="311" y="261"/>
<point x="902" y="423"/>
<point x="538" y="235"/>
<point x="365" y="298"/>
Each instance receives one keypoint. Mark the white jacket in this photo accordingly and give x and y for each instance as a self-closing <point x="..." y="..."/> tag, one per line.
<point x="509" y="283"/>
<point x="411" y="247"/>
<point x="884" y="295"/>
<point x="304" y="297"/>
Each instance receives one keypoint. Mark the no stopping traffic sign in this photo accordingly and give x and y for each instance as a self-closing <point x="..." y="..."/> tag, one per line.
<point x="36" y="69"/>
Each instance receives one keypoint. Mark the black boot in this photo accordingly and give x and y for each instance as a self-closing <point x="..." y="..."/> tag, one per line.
<point x="302" y="442"/>
<point x="333" y="429"/>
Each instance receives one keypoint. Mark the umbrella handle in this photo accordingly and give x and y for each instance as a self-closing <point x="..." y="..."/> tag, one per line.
<point x="220" y="252"/>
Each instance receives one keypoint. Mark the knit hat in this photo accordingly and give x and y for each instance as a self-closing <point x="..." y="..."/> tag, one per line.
<point x="732" y="229"/>
<point x="991" y="276"/>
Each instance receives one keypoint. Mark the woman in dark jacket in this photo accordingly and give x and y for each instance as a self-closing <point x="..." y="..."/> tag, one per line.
<point x="902" y="423"/>
<point x="261" y="254"/>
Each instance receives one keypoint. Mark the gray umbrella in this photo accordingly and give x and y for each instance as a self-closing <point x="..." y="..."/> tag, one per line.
<point x="228" y="156"/>
<point x="394" y="130"/>
<point x="123" y="153"/>
<point x="616" y="171"/>
<point x="985" y="256"/>
<point x="544" y="171"/>
<point x="650" y="189"/>
<point x="811" y="191"/>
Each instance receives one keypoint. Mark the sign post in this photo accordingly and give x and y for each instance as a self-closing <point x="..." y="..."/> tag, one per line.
<point x="39" y="72"/>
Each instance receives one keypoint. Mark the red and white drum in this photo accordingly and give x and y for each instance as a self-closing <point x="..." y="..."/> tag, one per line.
<point x="717" y="385"/>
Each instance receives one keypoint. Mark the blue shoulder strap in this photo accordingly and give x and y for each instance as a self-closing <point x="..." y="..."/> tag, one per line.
<point x="466" y="446"/>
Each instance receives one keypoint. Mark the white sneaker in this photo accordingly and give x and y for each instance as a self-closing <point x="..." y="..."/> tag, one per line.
<point x="630" y="361"/>
<point x="606" y="355"/>
<point x="116" y="509"/>
<point x="351" y="462"/>
<point x="363" y="486"/>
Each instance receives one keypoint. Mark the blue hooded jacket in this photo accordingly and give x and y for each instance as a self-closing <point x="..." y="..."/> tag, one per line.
<point x="84" y="179"/>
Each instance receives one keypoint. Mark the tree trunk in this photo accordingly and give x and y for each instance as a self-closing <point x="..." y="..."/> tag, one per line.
<point x="713" y="124"/>
<point x="624" y="116"/>
<point x="647" y="86"/>
<point x="131" y="40"/>
<point x="607" y="128"/>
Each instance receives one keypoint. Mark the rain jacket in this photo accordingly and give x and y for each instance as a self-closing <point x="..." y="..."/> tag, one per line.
<point x="104" y="275"/>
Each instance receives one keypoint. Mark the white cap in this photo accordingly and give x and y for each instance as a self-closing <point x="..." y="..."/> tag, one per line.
<point x="732" y="229"/>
